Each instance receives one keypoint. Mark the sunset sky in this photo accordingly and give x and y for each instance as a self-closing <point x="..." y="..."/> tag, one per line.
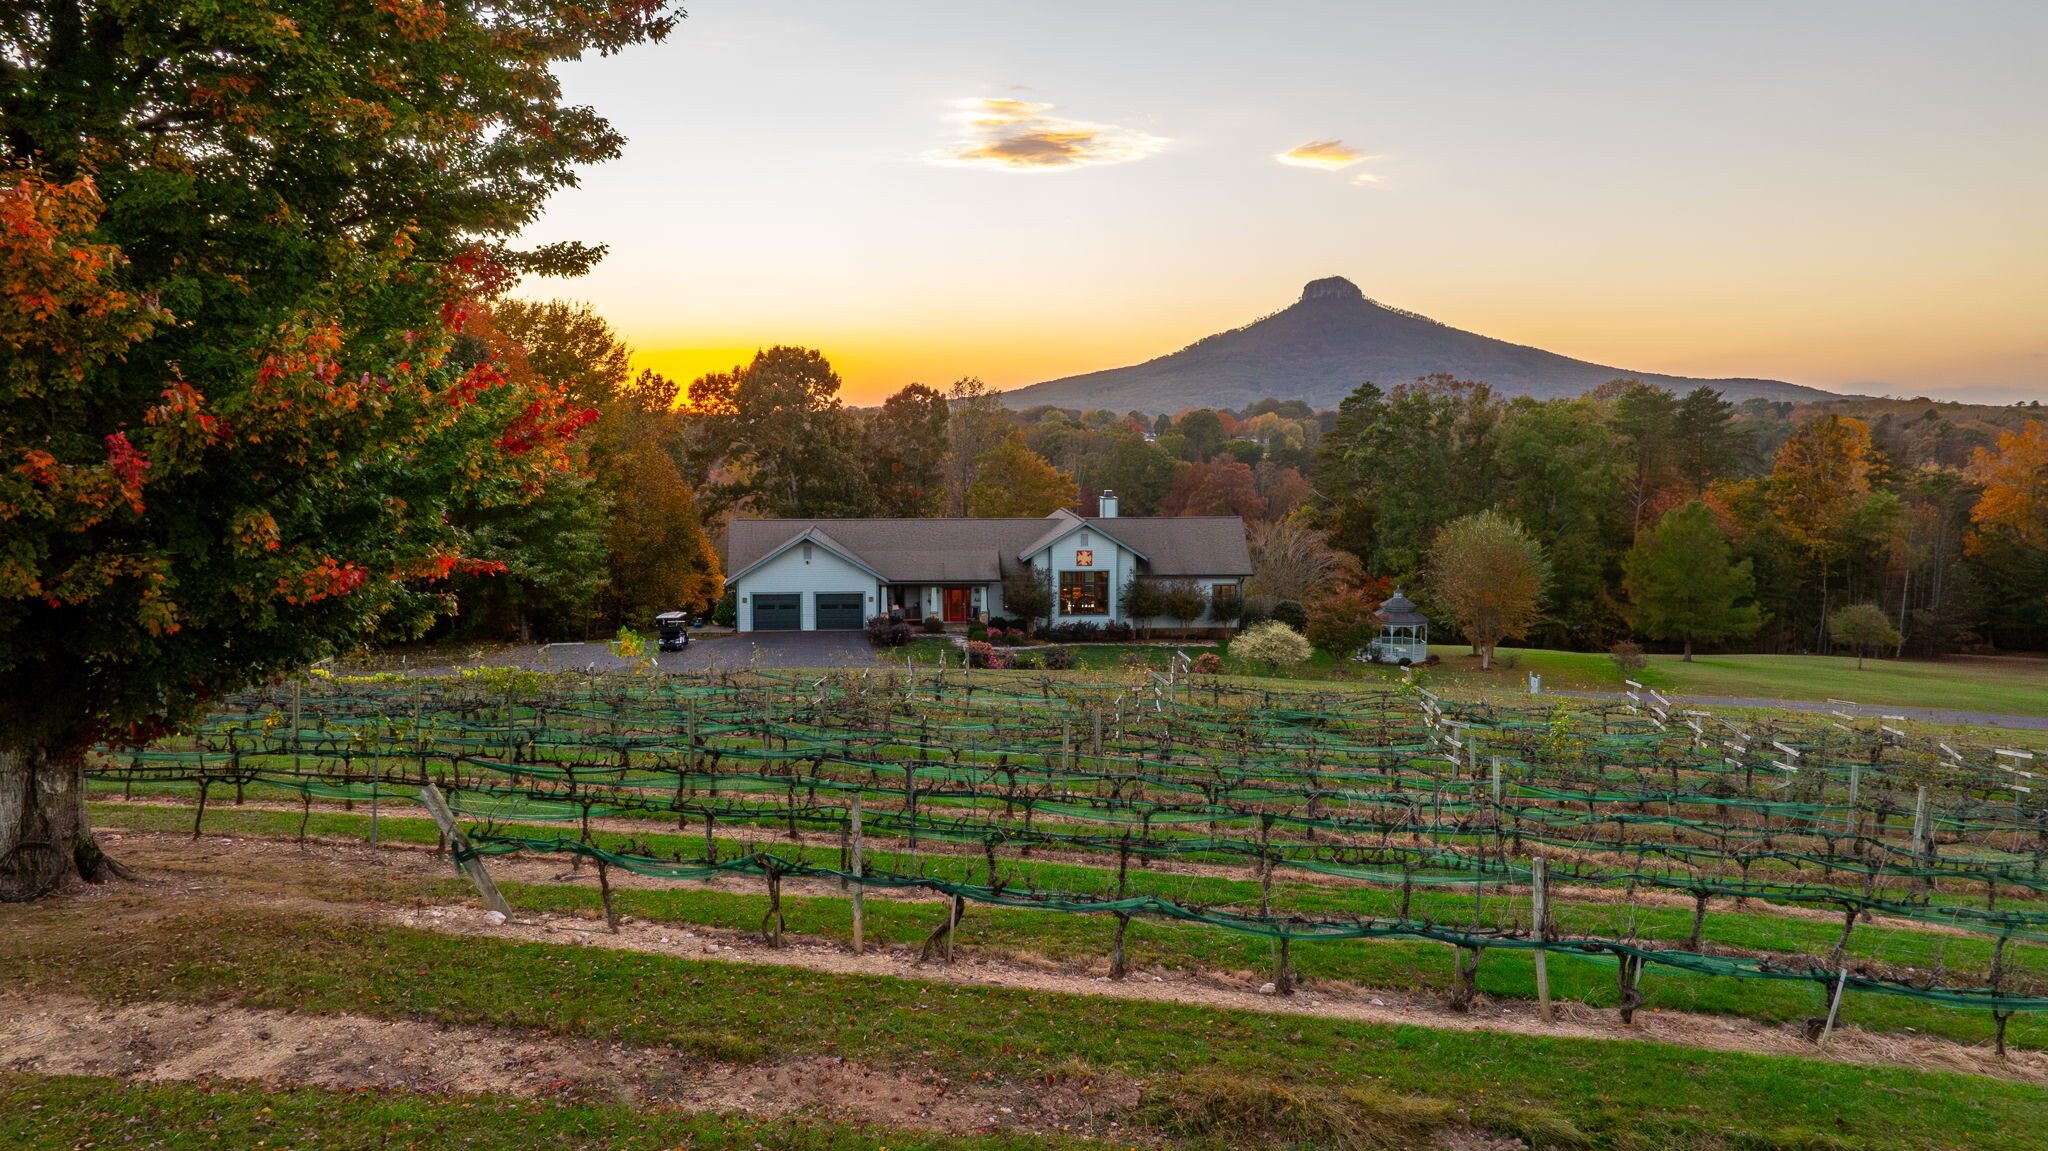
<point x="1849" y="195"/>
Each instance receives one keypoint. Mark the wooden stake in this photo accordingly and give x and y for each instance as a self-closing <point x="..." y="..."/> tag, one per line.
<point x="859" y="888"/>
<point x="1539" y="908"/>
<point x="466" y="860"/>
<point x="1835" y="1003"/>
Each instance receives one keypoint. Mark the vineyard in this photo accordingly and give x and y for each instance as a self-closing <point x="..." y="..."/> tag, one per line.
<point x="1612" y="854"/>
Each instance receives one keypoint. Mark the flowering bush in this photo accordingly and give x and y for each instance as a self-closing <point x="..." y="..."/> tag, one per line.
<point x="1272" y="643"/>
<point x="1208" y="663"/>
<point x="981" y="653"/>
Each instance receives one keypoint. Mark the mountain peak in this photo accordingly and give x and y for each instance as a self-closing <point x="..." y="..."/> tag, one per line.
<point x="1335" y="339"/>
<point x="1331" y="288"/>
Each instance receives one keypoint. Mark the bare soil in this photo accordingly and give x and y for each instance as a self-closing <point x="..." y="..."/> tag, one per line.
<point x="166" y="1041"/>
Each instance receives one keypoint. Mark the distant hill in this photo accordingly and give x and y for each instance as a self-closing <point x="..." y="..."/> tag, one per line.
<point x="1334" y="339"/>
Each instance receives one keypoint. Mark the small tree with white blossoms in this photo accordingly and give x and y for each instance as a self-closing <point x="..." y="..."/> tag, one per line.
<point x="1272" y="645"/>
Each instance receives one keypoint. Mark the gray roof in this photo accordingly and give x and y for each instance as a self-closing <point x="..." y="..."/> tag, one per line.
<point x="966" y="550"/>
<point x="1398" y="610"/>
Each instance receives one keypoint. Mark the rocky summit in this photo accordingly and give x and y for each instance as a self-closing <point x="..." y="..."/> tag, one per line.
<point x="1334" y="338"/>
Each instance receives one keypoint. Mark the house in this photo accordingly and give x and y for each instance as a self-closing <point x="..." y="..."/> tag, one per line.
<point x="834" y="574"/>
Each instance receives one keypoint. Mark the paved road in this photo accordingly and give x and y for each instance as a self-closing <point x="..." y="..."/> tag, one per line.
<point x="1864" y="710"/>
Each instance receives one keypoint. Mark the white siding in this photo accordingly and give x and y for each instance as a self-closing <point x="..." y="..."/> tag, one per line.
<point x="789" y="573"/>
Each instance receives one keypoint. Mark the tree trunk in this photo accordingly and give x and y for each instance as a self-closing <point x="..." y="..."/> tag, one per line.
<point x="1688" y="649"/>
<point x="45" y="837"/>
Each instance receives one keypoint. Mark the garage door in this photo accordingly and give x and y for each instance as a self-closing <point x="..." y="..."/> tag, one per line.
<point x="778" y="612"/>
<point x="841" y="612"/>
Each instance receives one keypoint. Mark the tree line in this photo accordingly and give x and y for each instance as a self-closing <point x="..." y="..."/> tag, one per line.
<point x="1685" y="520"/>
<point x="1691" y="519"/>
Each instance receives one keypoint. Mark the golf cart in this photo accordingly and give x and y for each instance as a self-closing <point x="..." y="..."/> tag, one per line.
<point x="674" y="630"/>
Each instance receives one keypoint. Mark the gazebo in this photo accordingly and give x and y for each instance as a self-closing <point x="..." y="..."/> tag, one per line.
<point x="1404" y="633"/>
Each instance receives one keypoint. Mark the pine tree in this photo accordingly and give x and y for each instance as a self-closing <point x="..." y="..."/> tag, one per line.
<point x="1684" y="586"/>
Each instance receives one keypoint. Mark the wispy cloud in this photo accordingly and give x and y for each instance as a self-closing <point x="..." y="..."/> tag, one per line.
<point x="1022" y="136"/>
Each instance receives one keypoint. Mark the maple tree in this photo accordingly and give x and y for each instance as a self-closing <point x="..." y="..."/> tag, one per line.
<point x="2014" y="502"/>
<point x="1012" y="480"/>
<point x="238" y="239"/>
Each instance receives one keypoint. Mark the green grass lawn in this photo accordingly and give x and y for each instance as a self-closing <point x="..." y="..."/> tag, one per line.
<point x="2007" y="685"/>
<point x="1552" y="1091"/>
<point x="2001" y="685"/>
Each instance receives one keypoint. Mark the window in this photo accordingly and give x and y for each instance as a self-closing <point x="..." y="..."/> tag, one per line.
<point x="1223" y="593"/>
<point x="1084" y="593"/>
<point x="1084" y="558"/>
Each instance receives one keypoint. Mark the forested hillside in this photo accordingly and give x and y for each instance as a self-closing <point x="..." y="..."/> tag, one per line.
<point x="1324" y="344"/>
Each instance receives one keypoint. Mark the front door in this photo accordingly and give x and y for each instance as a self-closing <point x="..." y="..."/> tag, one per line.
<point x="959" y="602"/>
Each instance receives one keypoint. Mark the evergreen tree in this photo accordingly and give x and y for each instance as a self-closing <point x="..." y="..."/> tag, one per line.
<point x="1683" y="585"/>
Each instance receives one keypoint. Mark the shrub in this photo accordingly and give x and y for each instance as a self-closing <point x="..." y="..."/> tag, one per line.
<point x="1182" y="600"/>
<point x="1027" y="595"/>
<point x="1341" y="622"/>
<point x="1227" y="610"/>
<point x="1208" y="663"/>
<point x="1628" y="657"/>
<point x="1272" y="644"/>
<point x="996" y="621"/>
<point x="977" y="631"/>
<point x="933" y="625"/>
<point x="981" y="653"/>
<point x="1023" y="662"/>
<point x="1059" y="658"/>
<point x="1291" y="613"/>
<point x="1142" y="599"/>
<point x="726" y="612"/>
<point x="886" y="632"/>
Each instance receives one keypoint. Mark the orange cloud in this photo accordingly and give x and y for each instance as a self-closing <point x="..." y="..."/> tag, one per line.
<point x="1328" y="155"/>
<point x="1019" y="136"/>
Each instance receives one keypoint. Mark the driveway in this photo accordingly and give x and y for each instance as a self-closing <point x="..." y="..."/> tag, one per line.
<point x="765" y="650"/>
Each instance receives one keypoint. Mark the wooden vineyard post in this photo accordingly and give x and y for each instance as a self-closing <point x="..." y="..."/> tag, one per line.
<point x="1123" y="920"/>
<point x="466" y="860"/>
<point x="1834" y="1007"/>
<point x="1920" y="835"/>
<point x="1539" y="909"/>
<point x="771" y="923"/>
<point x="1855" y="795"/>
<point x="859" y="888"/>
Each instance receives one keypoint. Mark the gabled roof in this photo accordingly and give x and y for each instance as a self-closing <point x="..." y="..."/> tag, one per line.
<point x="976" y="550"/>
<point x="1064" y="524"/>
<point x="816" y="536"/>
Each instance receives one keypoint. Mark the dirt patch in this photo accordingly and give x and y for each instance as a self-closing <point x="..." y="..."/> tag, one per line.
<point x="271" y="873"/>
<point x="165" y="1041"/>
